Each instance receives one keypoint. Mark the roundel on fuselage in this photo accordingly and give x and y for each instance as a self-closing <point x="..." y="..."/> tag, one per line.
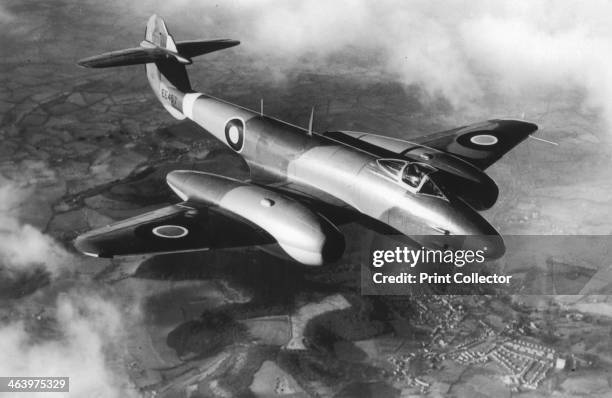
<point x="234" y="134"/>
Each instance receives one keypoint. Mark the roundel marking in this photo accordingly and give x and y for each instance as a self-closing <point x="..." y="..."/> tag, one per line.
<point x="170" y="231"/>
<point x="234" y="134"/>
<point x="484" y="139"/>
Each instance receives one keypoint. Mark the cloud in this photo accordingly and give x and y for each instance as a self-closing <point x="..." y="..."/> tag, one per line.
<point x="522" y="53"/>
<point x="88" y="329"/>
<point x="24" y="247"/>
<point x="5" y="15"/>
<point x="413" y="41"/>
<point x="81" y="329"/>
<point x="460" y="50"/>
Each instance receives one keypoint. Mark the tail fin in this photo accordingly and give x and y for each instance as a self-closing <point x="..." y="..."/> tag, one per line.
<point x="157" y="33"/>
<point x="167" y="73"/>
<point x="165" y="60"/>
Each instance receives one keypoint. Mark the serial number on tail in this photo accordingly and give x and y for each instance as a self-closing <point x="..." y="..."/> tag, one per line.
<point x="168" y="96"/>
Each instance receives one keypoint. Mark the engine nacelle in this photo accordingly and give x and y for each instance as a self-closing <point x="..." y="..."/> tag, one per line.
<point x="303" y="234"/>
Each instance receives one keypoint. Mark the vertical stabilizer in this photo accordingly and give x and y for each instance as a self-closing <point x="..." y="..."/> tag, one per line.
<point x="167" y="75"/>
<point x="157" y="33"/>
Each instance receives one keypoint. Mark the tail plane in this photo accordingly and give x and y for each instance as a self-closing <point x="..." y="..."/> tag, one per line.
<point x="164" y="58"/>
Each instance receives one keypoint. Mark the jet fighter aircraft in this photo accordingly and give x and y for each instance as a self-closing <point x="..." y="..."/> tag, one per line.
<point x="301" y="181"/>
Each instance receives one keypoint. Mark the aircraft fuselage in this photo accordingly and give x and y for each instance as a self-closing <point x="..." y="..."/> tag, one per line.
<point x="279" y="151"/>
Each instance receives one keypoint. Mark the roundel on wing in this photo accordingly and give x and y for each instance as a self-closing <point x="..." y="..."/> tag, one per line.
<point x="170" y="231"/>
<point x="481" y="140"/>
<point x="234" y="134"/>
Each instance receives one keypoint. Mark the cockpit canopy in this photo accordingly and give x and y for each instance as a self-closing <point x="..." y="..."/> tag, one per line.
<point x="413" y="175"/>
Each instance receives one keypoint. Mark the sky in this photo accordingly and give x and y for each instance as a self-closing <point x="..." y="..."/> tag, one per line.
<point x="460" y="50"/>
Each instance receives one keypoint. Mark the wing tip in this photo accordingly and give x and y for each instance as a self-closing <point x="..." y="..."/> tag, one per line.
<point x="86" y="62"/>
<point x="523" y="125"/>
<point x="84" y="245"/>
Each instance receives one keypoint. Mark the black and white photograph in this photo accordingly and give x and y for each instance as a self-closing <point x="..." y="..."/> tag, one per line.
<point x="308" y="198"/>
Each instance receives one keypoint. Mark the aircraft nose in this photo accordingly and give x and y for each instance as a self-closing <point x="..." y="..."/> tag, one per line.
<point x="176" y="180"/>
<point x="479" y="234"/>
<point x="492" y="245"/>
<point x="176" y="177"/>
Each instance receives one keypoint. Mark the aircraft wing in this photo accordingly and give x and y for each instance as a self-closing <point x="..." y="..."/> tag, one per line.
<point x="176" y="228"/>
<point x="481" y="144"/>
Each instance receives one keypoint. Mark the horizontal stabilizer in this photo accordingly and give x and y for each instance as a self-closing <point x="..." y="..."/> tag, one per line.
<point x="193" y="48"/>
<point x="130" y="56"/>
<point x="149" y="53"/>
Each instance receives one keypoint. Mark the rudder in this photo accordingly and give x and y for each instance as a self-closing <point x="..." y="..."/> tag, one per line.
<point x="156" y="32"/>
<point x="165" y="74"/>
